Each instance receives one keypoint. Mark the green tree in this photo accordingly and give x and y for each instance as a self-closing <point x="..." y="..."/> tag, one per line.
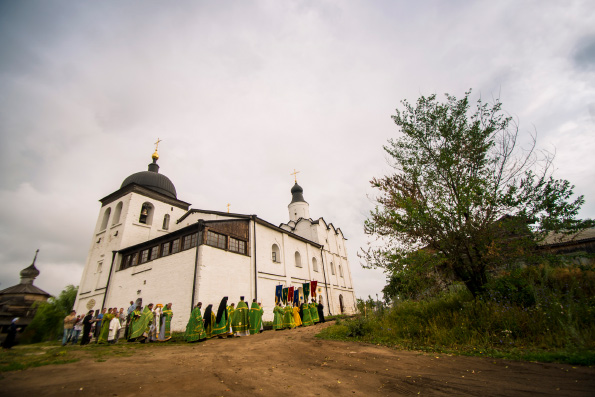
<point x="48" y="322"/>
<point x="465" y="193"/>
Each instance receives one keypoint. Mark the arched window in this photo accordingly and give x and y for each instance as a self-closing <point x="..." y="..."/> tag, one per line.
<point x="332" y="268"/>
<point x="298" y="259"/>
<point x="276" y="254"/>
<point x="146" y="214"/>
<point x="340" y="271"/>
<point x="314" y="264"/>
<point x="117" y="213"/>
<point x="165" y="222"/>
<point x="105" y="218"/>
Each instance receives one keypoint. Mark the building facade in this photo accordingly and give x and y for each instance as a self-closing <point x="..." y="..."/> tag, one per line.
<point x="148" y="244"/>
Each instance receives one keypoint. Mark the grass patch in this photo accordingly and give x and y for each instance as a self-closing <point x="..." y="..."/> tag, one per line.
<point x="544" y="314"/>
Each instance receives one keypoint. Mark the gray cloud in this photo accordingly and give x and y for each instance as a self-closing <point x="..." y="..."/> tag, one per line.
<point x="244" y="92"/>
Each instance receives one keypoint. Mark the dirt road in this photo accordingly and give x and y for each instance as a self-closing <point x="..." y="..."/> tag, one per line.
<point x="295" y="362"/>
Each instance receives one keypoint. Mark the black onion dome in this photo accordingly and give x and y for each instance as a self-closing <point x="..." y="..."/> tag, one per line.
<point x="153" y="180"/>
<point x="30" y="272"/>
<point x="297" y="194"/>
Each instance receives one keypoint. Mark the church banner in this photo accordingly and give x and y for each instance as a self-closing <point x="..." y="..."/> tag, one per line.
<point x="296" y="297"/>
<point x="278" y="291"/>
<point x="290" y="294"/>
<point x="306" y="287"/>
<point x="285" y="291"/>
<point x="313" y="286"/>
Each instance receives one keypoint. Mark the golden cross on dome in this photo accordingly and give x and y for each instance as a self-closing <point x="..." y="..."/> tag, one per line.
<point x="156" y="155"/>
<point x="228" y="207"/>
<point x="294" y="173"/>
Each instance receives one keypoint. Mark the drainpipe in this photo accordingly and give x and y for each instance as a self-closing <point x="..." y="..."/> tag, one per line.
<point x="201" y="227"/>
<point x="255" y="268"/>
<point x="328" y="302"/>
<point x="109" y="276"/>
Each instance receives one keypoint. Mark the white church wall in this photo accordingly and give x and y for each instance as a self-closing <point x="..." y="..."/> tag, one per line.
<point x="223" y="273"/>
<point x="163" y="280"/>
<point x="265" y="238"/>
<point x="267" y="298"/>
<point x="195" y="216"/>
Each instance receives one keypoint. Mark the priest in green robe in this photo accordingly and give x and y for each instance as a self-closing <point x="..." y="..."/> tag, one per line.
<point x="306" y="315"/>
<point x="195" y="329"/>
<point x="240" y="322"/>
<point x="314" y="312"/>
<point x="165" y="328"/>
<point x="255" y="315"/>
<point x="142" y="325"/>
<point x="221" y="326"/>
<point x="103" y="334"/>
<point x="278" y="319"/>
<point x="288" y="321"/>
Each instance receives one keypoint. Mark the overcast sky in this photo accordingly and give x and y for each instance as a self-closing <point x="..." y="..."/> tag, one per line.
<point x="243" y="92"/>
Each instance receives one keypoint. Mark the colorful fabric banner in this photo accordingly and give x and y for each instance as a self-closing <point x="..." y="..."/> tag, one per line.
<point x="296" y="297"/>
<point x="278" y="291"/>
<point x="285" y="291"/>
<point x="290" y="294"/>
<point x="313" y="285"/>
<point x="306" y="287"/>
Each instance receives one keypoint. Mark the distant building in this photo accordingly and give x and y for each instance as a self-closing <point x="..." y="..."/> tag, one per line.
<point x="149" y="244"/>
<point x="18" y="300"/>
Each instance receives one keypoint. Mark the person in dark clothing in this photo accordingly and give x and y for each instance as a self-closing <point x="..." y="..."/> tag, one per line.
<point x="87" y="323"/>
<point x="10" y="340"/>
<point x="320" y="308"/>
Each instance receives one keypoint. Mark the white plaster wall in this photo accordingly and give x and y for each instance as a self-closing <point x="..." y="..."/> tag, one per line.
<point x="163" y="280"/>
<point x="223" y="273"/>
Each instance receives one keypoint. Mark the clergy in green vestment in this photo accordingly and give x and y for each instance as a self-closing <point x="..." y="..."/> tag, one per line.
<point x="314" y="312"/>
<point x="288" y="321"/>
<point x="195" y="329"/>
<point x="164" y="332"/>
<point x="306" y="315"/>
<point x="278" y="319"/>
<point x="105" y="326"/>
<point x="255" y="318"/>
<point x="221" y="326"/>
<point x="141" y="326"/>
<point x="240" y="322"/>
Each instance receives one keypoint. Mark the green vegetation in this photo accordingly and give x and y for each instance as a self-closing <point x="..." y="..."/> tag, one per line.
<point x="48" y="323"/>
<point x="538" y="313"/>
<point x="464" y="199"/>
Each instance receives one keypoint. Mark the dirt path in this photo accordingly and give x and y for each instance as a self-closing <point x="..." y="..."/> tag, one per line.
<point x="293" y="361"/>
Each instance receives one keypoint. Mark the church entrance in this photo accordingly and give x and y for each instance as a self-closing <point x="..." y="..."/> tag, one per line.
<point x="341" y="305"/>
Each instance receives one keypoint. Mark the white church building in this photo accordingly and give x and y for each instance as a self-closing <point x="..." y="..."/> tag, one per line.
<point x="149" y="244"/>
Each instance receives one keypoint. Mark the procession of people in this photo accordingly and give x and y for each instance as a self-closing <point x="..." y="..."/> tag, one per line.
<point x="152" y="323"/>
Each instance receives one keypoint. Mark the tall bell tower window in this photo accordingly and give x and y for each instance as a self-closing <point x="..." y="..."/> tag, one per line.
<point x="146" y="214"/>
<point x="105" y="219"/>
<point x="165" y="222"/>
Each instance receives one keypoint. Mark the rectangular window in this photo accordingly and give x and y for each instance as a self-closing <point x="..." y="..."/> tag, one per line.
<point x="274" y="256"/>
<point x="135" y="259"/>
<point x="216" y="239"/>
<point x="126" y="262"/>
<point x="236" y="245"/>
<point x="144" y="256"/>
<point x="154" y="252"/>
<point x="165" y="247"/>
<point x="194" y="240"/>
<point x="186" y="242"/>
<point x="175" y="246"/>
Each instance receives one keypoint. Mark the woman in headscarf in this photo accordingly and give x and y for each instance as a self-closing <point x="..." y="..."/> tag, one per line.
<point x="209" y="319"/>
<point x="221" y="326"/>
<point x="12" y="334"/>
<point x="87" y="323"/>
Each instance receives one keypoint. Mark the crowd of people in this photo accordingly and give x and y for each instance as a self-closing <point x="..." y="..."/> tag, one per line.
<point x="152" y="323"/>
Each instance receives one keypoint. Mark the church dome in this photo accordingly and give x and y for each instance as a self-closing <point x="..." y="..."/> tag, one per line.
<point x="29" y="272"/>
<point x="297" y="194"/>
<point x="153" y="180"/>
